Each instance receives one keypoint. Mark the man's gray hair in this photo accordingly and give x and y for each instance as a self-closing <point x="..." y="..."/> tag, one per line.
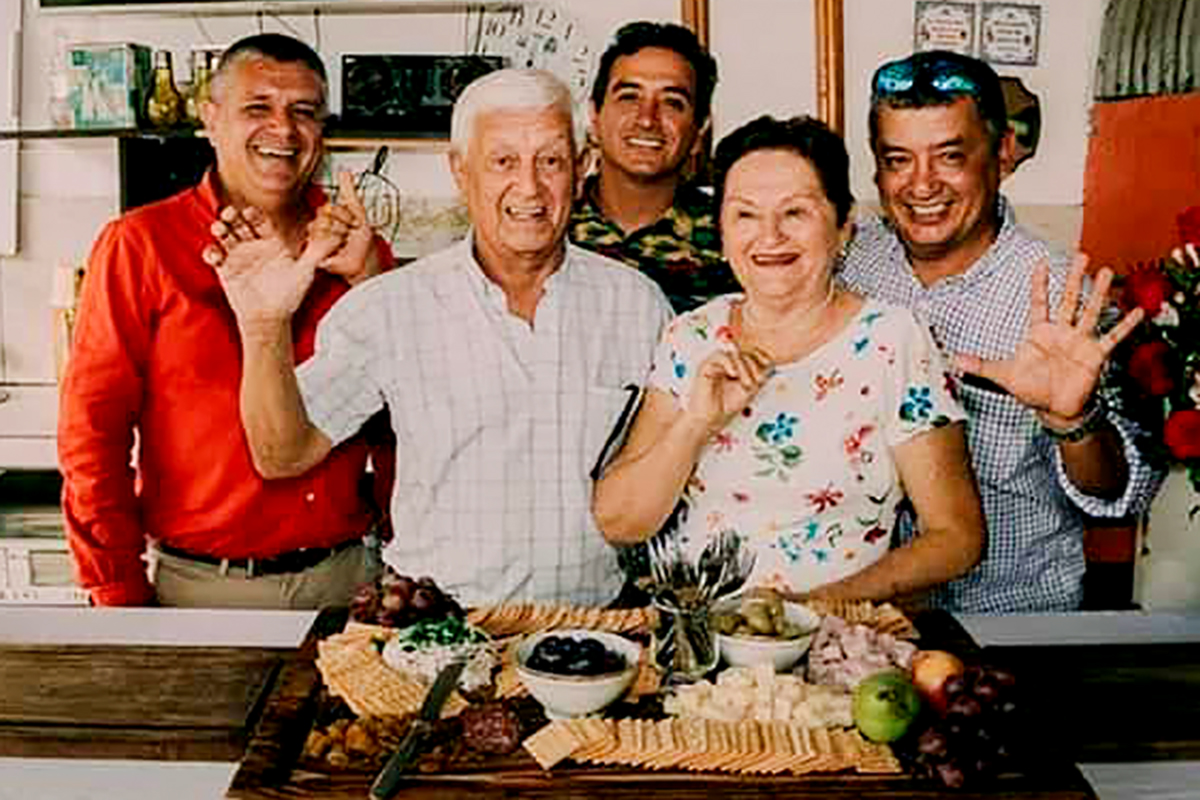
<point x="276" y="47"/>
<point x="509" y="90"/>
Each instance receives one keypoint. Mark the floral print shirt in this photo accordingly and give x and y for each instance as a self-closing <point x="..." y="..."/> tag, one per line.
<point x="805" y="472"/>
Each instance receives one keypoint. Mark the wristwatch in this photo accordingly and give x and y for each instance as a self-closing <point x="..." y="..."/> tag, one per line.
<point x="1094" y="415"/>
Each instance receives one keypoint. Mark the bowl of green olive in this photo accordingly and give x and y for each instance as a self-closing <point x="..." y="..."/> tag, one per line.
<point x="764" y="629"/>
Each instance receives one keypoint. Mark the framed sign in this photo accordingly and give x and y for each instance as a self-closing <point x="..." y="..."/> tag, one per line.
<point x="944" y="26"/>
<point x="1009" y="33"/>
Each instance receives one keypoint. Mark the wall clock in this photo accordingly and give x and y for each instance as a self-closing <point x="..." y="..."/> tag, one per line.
<point x="539" y="36"/>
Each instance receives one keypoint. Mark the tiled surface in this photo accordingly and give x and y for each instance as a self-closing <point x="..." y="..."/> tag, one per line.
<point x="1093" y="627"/>
<point x="154" y="626"/>
<point x="67" y="779"/>
<point x="1157" y="780"/>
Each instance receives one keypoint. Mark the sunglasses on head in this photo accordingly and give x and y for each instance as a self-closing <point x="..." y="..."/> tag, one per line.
<point x="940" y="74"/>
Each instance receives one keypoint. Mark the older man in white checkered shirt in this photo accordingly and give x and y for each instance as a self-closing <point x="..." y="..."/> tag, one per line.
<point x="503" y="362"/>
<point x="1045" y="448"/>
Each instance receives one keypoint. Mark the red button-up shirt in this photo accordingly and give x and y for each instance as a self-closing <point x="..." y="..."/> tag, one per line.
<point x="156" y="360"/>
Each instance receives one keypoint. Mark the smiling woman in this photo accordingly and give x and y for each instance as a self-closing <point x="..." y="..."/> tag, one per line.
<point x="798" y="415"/>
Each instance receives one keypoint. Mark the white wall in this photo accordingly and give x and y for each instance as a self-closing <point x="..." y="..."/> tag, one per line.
<point x="766" y="52"/>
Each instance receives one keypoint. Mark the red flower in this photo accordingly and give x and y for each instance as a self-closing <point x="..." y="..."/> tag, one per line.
<point x="1149" y="366"/>
<point x="1182" y="434"/>
<point x="1147" y="288"/>
<point x="1189" y="225"/>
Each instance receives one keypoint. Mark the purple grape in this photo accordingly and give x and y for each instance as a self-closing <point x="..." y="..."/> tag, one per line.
<point x="951" y="774"/>
<point x="954" y="686"/>
<point x="423" y="599"/>
<point x="987" y="690"/>
<point x="364" y="605"/>
<point x="964" y="706"/>
<point x="932" y="742"/>
<point x="1003" y="677"/>
<point x="392" y="602"/>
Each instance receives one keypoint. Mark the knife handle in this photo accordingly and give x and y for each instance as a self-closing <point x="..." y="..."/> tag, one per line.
<point x="388" y="780"/>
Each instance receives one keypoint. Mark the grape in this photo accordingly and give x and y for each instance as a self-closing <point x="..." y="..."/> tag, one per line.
<point x="423" y="599"/>
<point x="932" y="742"/>
<point x="1002" y="677"/>
<point x="986" y="689"/>
<point x="978" y="734"/>
<point x="398" y="601"/>
<point x="392" y="602"/>
<point x="954" y="686"/>
<point x="951" y="774"/>
<point x="964" y="706"/>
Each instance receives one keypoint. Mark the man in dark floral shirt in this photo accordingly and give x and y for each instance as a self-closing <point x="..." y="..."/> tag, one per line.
<point x="650" y="105"/>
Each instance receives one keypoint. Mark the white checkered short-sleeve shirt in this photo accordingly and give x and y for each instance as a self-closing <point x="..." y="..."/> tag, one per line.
<point x="498" y="423"/>
<point x="1035" y="516"/>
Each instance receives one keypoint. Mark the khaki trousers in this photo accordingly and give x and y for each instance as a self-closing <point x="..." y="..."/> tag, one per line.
<point x="180" y="582"/>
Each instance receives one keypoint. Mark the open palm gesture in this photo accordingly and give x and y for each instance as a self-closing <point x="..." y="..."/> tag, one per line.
<point x="1057" y="366"/>
<point x="264" y="281"/>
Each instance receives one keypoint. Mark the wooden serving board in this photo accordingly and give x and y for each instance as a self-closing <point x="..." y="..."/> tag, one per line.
<point x="113" y="701"/>
<point x="272" y="767"/>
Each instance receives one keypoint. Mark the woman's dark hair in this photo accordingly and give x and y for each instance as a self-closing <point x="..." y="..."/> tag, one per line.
<point x="636" y="36"/>
<point x="807" y="137"/>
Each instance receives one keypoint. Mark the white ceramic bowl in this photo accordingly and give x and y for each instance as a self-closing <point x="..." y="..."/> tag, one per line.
<point x="749" y="651"/>
<point x="565" y="696"/>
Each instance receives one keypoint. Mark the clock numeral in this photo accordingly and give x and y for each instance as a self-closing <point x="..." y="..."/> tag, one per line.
<point x="546" y="18"/>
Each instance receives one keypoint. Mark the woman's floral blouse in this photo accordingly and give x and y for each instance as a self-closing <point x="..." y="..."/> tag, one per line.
<point x="805" y="472"/>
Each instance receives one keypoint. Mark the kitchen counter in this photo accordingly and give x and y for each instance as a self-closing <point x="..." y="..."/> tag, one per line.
<point x="60" y="777"/>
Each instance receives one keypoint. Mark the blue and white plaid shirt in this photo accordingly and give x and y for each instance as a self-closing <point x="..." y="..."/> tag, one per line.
<point x="1035" y="516"/>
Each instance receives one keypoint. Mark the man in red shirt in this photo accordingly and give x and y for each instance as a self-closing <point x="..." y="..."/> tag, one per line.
<point x="150" y="441"/>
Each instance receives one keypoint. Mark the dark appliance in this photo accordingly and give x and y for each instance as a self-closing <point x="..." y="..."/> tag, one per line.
<point x="409" y="95"/>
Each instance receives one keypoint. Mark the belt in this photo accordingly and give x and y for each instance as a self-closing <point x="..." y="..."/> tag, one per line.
<point x="294" y="561"/>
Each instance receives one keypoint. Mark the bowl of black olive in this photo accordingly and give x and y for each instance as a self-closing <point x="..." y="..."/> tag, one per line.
<point x="573" y="672"/>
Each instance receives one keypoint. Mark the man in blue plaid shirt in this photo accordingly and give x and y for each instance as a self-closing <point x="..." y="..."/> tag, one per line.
<point x="1017" y="322"/>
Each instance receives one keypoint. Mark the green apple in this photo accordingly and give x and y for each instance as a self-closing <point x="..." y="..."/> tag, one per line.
<point x="885" y="705"/>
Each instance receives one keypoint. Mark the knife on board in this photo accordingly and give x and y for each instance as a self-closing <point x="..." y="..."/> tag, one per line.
<point x="389" y="778"/>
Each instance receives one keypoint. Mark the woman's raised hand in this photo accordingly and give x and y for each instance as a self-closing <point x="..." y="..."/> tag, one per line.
<point x="725" y="384"/>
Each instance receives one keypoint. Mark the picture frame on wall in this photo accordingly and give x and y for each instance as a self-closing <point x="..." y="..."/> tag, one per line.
<point x="944" y="26"/>
<point x="1010" y="33"/>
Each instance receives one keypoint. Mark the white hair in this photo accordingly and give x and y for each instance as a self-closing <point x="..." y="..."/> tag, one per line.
<point x="507" y="90"/>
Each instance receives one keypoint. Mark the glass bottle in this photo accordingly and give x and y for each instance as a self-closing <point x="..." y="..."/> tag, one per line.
<point x="201" y="85"/>
<point x="164" y="109"/>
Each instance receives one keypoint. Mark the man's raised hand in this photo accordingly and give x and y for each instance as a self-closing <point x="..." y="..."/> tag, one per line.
<point x="355" y="259"/>
<point x="1057" y="366"/>
<point x="263" y="280"/>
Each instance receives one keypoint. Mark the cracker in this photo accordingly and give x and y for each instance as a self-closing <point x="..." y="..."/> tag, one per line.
<point x="694" y="732"/>
<point x="669" y="748"/>
<point x="551" y="744"/>
<point x="756" y="748"/>
<point x="879" y="759"/>
<point x="598" y="738"/>
<point x="780" y="744"/>
<point x="806" y="759"/>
